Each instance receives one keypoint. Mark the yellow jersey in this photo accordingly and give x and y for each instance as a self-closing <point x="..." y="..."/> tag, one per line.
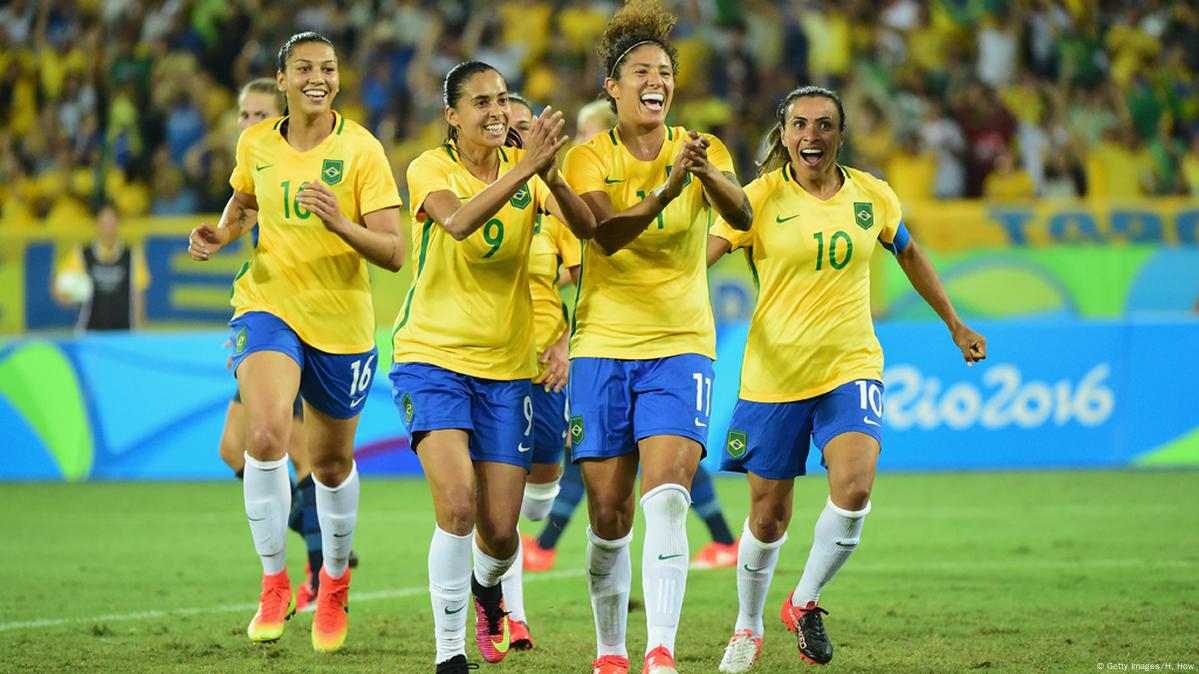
<point x="469" y="309"/>
<point x="553" y="246"/>
<point x="649" y="299"/>
<point x="301" y="272"/>
<point x="811" y="330"/>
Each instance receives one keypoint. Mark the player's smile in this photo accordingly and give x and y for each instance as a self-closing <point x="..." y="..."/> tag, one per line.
<point x="312" y="79"/>
<point x="812" y="134"/>
<point x="646" y="77"/>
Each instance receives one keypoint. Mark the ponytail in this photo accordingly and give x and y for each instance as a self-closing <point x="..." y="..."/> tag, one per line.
<point x="776" y="153"/>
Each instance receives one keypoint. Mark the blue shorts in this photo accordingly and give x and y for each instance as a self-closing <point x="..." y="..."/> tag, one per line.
<point x="336" y="384"/>
<point x="497" y="415"/>
<point x="550" y="420"/>
<point x="616" y="403"/>
<point x="771" y="440"/>
<point x="297" y="407"/>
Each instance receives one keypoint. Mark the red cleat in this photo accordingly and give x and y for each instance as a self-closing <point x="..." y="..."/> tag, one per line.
<point x="536" y="558"/>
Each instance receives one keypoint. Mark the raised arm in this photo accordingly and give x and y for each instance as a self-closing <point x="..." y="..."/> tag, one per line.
<point x="239" y="216"/>
<point x="721" y="189"/>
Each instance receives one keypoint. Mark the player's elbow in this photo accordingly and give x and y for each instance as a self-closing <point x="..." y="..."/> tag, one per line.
<point x="743" y="218"/>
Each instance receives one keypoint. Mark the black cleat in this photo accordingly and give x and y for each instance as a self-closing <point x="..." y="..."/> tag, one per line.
<point x="353" y="559"/>
<point x="456" y="665"/>
<point x="808" y="626"/>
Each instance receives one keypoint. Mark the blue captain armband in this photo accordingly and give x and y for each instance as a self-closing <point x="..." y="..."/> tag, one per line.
<point x="900" y="241"/>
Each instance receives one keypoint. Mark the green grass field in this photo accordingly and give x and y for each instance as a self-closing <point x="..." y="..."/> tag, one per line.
<point x="1017" y="572"/>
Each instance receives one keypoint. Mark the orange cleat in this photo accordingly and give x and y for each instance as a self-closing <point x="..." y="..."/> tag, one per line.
<point x="306" y="593"/>
<point x="536" y="558"/>
<point x="610" y="664"/>
<point x="276" y="605"/>
<point x="715" y="556"/>
<point x="332" y="619"/>
<point x="808" y="626"/>
<point x="659" y="661"/>
<point x="520" y="638"/>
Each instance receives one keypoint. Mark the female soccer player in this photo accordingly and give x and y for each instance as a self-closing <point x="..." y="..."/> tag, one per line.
<point x="644" y="338"/>
<point x="302" y="316"/>
<point x="553" y="247"/>
<point x="813" y="365"/>
<point x="464" y="343"/>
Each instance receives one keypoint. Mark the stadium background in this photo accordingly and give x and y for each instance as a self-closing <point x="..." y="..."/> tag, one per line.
<point x="1047" y="155"/>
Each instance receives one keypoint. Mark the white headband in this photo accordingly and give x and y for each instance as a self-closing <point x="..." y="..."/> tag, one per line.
<point x="616" y="63"/>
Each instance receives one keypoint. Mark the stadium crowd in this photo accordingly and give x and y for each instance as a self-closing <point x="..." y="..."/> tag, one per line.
<point x="131" y="100"/>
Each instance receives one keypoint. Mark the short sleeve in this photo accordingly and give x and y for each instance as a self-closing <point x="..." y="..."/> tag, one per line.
<point x="719" y="155"/>
<point x="241" y="180"/>
<point x="376" y="183"/>
<point x="584" y="170"/>
<point x="541" y="194"/>
<point x="570" y="250"/>
<point x="893" y="213"/>
<point x="426" y="175"/>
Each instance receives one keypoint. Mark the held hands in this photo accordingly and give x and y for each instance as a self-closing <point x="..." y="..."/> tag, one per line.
<point x="694" y="157"/>
<point x="544" y="140"/>
<point x="203" y="242"/>
<point x="557" y="367"/>
<point x="972" y="345"/>
<point x="318" y="198"/>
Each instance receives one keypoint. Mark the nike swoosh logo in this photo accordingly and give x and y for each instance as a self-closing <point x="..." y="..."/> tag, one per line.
<point x="255" y="519"/>
<point x="337" y="535"/>
<point x="598" y="575"/>
<point x="522" y="449"/>
<point x="663" y="558"/>
<point x="457" y="610"/>
<point x="779" y="218"/>
<point x="609" y="181"/>
<point x="259" y="167"/>
<point x="844" y="545"/>
<point x="700" y="424"/>
<point x="746" y="567"/>
<point x="356" y="402"/>
<point x="870" y="421"/>
<point x="502" y="644"/>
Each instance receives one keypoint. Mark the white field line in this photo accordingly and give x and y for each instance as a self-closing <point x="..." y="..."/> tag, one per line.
<point x="247" y="607"/>
<point x="574" y="573"/>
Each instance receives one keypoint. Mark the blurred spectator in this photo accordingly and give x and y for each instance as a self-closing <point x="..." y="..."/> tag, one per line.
<point x="107" y="278"/>
<point x="1190" y="166"/>
<point x="1008" y="182"/>
<point x="1119" y="167"/>
<point x="942" y="136"/>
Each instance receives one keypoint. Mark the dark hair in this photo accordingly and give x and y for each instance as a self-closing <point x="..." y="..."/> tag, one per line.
<point x="637" y="23"/>
<point x="298" y="39"/>
<point x="517" y="98"/>
<point x="776" y="154"/>
<point x="451" y="92"/>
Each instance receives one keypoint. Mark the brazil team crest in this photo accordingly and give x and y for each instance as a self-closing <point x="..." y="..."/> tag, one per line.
<point x="241" y="340"/>
<point x="737" y="444"/>
<point x="863" y="214"/>
<point x="409" y="411"/>
<point x="576" y="431"/>
<point x="522" y="198"/>
<point x="332" y="171"/>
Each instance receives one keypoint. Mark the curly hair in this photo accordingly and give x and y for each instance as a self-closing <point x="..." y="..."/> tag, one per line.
<point x="638" y="22"/>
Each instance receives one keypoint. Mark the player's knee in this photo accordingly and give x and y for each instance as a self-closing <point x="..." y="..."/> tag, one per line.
<point x="266" y="442"/>
<point x="332" y="470"/>
<point x="768" y="521"/>
<point x="456" y="510"/>
<point x="853" y="494"/>
<point x="610" y="520"/>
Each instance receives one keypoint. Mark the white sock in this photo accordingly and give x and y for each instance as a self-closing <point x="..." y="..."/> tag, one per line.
<point x="837" y="534"/>
<point x="513" y="587"/>
<point x="609" y="575"/>
<point x="755" y="569"/>
<point x="449" y="589"/>
<point x="337" y="511"/>
<point x="267" y="492"/>
<point x="664" y="562"/>
<point x="538" y="499"/>
<point x="489" y="570"/>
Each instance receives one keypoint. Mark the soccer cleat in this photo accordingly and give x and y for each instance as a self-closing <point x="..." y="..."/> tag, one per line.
<point x="659" y="661"/>
<point x="715" y="556"/>
<point x="306" y="596"/>
<point x="332" y="619"/>
<point x="521" y="640"/>
<point x="534" y="557"/>
<point x="276" y="605"/>
<point x="742" y="652"/>
<point x="492" y="630"/>
<point x="610" y="664"/>
<point x="455" y="665"/>
<point x="808" y="627"/>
